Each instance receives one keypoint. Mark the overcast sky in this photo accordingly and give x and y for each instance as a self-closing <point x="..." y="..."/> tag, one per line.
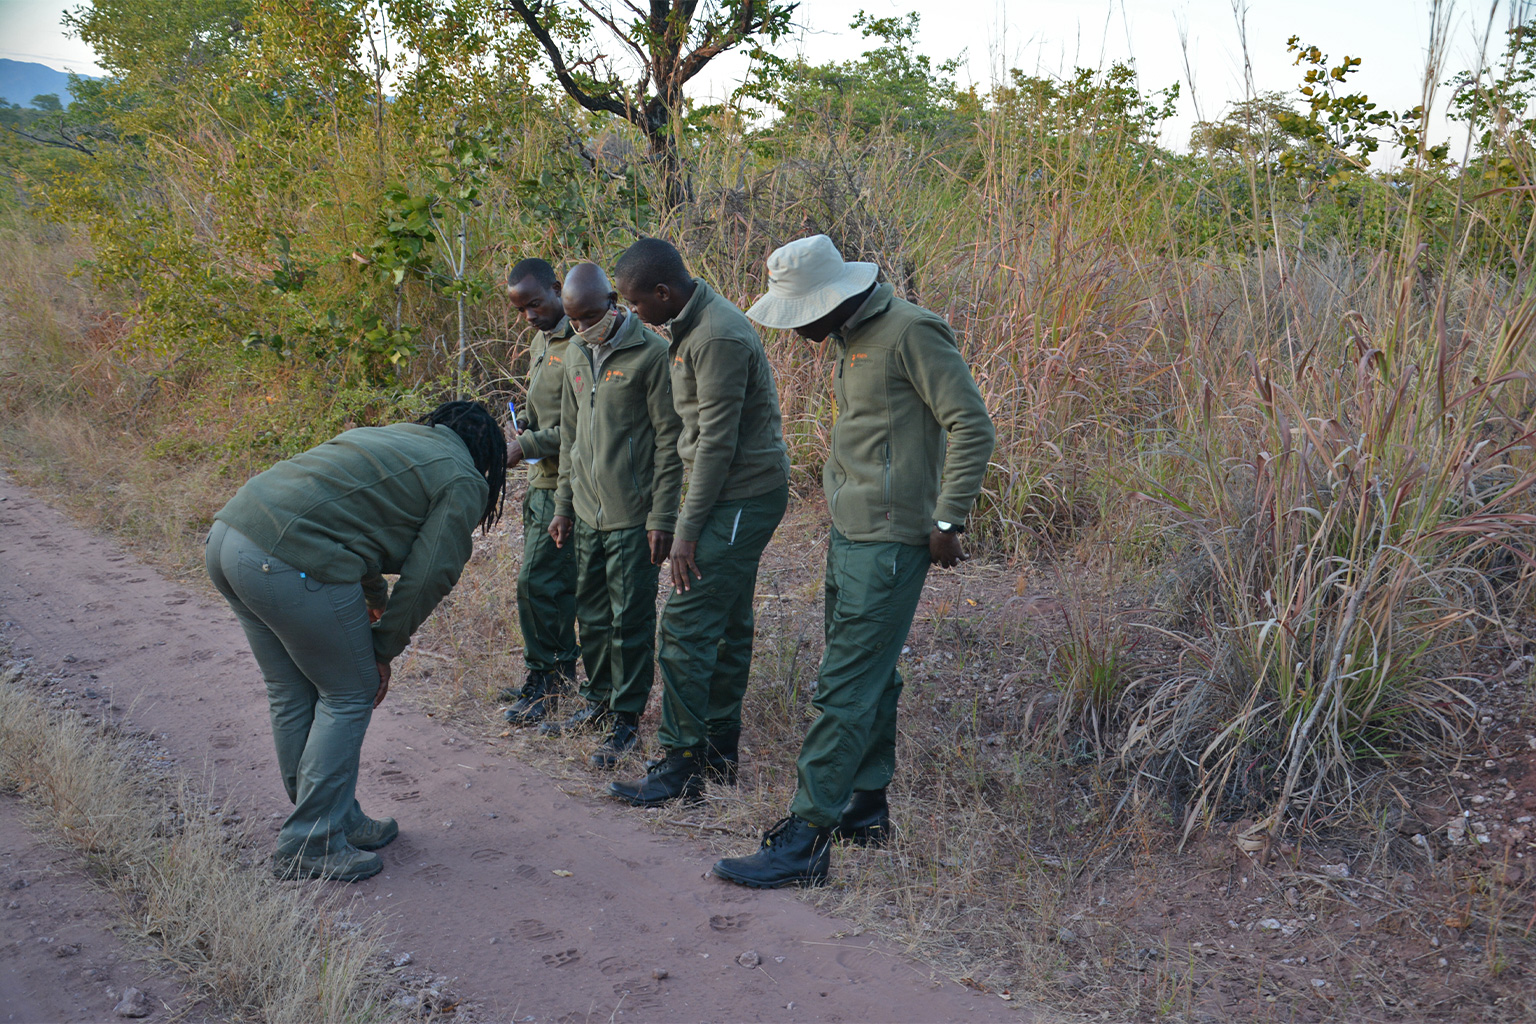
<point x="1050" y="37"/>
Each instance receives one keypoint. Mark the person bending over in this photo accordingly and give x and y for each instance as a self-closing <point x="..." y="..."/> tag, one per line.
<point x="300" y="554"/>
<point x="616" y="501"/>
<point x="908" y="453"/>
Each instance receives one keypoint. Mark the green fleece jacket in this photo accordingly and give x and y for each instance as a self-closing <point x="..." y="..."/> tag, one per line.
<point x="722" y="386"/>
<point x="619" y="466"/>
<point x="546" y="378"/>
<point x="901" y="385"/>
<point x="398" y="499"/>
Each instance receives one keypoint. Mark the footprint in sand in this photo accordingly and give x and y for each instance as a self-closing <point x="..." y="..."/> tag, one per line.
<point x="410" y="794"/>
<point x="487" y="856"/>
<point x="177" y="600"/>
<point x="617" y="965"/>
<point x="854" y="961"/>
<point x="560" y="959"/>
<point x="729" y="922"/>
<point x="536" y="931"/>
<point x="638" y="994"/>
<point x="222" y="741"/>
<point x="432" y="872"/>
<point x="527" y="872"/>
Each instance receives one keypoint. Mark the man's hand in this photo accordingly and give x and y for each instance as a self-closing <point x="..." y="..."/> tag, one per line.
<point x="514" y="452"/>
<point x="374" y="615"/>
<point x="683" y="564"/>
<point x="661" y="545"/>
<point x="944" y="549"/>
<point x="384" y="673"/>
<point x="560" y="530"/>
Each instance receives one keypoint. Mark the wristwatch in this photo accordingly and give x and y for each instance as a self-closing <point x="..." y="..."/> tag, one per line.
<point x="949" y="527"/>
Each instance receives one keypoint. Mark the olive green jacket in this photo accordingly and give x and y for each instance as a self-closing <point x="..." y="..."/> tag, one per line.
<point x="901" y="385"/>
<point x="722" y="385"/>
<point x="546" y="379"/>
<point x="398" y="499"/>
<point x="619" y="466"/>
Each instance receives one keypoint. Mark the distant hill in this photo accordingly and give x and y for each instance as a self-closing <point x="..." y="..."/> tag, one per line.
<point x="21" y="80"/>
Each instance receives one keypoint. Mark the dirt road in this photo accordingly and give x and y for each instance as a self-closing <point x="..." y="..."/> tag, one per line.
<point x="635" y="931"/>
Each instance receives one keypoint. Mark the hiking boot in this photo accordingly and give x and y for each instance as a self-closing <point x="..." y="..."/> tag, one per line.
<point x="537" y="700"/>
<point x="592" y="715"/>
<point x="345" y="865"/>
<point x="623" y="735"/>
<point x="721" y="760"/>
<point x="677" y="775"/>
<point x="373" y="834"/>
<point x="866" y="820"/>
<point x="794" y="852"/>
<point x="566" y="670"/>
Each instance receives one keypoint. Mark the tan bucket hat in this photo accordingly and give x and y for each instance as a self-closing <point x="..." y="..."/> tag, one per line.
<point x="807" y="279"/>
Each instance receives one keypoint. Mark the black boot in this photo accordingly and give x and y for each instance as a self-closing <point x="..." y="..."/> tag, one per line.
<point x="592" y="715"/>
<point x="794" y="852"/>
<point x="566" y="670"/>
<point x="677" y="775"/>
<point x="538" y="700"/>
<point x="623" y="734"/>
<point x="866" y="820"/>
<point x="721" y="759"/>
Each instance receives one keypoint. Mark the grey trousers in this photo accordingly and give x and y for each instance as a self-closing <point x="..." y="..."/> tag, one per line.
<point x="314" y="645"/>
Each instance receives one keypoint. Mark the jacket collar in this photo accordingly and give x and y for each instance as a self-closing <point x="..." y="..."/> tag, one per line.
<point x="561" y="330"/>
<point x="684" y="322"/>
<point x="878" y="302"/>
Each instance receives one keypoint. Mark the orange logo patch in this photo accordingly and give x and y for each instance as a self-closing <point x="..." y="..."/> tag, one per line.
<point x="856" y="357"/>
<point x="612" y="375"/>
<point x="554" y="359"/>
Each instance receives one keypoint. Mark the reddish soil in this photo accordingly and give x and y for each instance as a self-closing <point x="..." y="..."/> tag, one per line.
<point x="60" y="958"/>
<point x="630" y="928"/>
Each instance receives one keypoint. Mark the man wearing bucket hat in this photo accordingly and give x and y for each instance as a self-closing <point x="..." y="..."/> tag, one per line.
<point x="909" y="449"/>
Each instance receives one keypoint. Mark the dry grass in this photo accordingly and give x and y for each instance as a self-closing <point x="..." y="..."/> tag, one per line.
<point x="182" y="869"/>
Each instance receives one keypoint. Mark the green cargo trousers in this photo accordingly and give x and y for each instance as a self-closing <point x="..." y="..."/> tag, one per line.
<point x="616" y="608"/>
<point x="314" y="646"/>
<point x="546" y="588"/>
<point x="872" y="591"/>
<point x="706" y="631"/>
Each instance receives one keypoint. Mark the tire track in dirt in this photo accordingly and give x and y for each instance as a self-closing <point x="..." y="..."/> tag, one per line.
<point x="635" y="932"/>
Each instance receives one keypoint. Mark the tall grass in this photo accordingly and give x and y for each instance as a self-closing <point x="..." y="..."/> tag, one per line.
<point x="255" y="948"/>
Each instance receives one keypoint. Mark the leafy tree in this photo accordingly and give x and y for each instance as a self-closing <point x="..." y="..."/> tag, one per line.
<point x="670" y="40"/>
<point x="891" y="84"/>
<point x="47" y="102"/>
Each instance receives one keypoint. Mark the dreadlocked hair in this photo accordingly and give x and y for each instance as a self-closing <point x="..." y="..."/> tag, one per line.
<point x="487" y="445"/>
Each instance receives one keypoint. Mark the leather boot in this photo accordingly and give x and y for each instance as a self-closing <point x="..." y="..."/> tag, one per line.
<point x="866" y="820"/>
<point x="593" y="714"/>
<point x="721" y="759"/>
<point x="539" y="699"/>
<point x="566" y="670"/>
<point x="623" y="735"/>
<point x="794" y="852"/>
<point x="678" y="775"/>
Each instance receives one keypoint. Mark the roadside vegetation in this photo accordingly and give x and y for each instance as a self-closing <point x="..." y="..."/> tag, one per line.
<point x="181" y="868"/>
<point x="1256" y="548"/>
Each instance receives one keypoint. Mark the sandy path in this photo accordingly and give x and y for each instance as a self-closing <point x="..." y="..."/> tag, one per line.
<point x="469" y="888"/>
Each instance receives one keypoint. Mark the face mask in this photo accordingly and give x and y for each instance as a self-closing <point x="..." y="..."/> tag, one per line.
<point x="598" y="332"/>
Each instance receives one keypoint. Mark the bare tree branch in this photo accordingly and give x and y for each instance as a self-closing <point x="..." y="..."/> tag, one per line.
<point x="62" y="142"/>
<point x="562" y="72"/>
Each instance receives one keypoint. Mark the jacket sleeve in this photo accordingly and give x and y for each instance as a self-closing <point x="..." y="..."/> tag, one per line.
<point x="429" y="572"/>
<point x="564" y="505"/>
<point x="375" y="591"/>
<point x="722" y="367"/>
<point x="667" y="477"/>
<point x="536" y="444"/>
<point x="933" y="363"/>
